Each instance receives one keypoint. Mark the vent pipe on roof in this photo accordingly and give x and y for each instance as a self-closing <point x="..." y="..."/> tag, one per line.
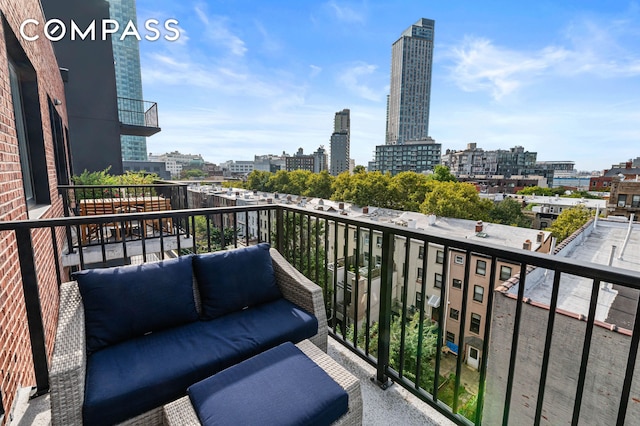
<point x="365" y="210"/>
<point x="626" y="239"/>
<point x="479" y="226"/>
<point x="527" y="245"/>
<point x="540" y="237"/>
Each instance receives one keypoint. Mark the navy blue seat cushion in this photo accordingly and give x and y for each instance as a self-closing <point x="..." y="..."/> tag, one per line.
<point x="129" y="301"/>
<point x="135" y="376"/>
<point x="233" y="280"/>
<point x="281" y="386"/>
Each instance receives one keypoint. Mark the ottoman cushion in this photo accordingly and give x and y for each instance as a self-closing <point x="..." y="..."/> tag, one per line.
<point x="280" y="386"/>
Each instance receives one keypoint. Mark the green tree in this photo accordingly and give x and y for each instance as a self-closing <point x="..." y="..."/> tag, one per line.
<point x="279" y="181"/>
<point x="298" y="182"/>
<point x="509" y="212"/>
<point x="359" y="169"/>
<point x="319" y="185"/>
<point x="409" y="190"/>
<point x="258" y="181"/>
<point x="455" y="199"/>
<point x="192" y="174"/>
<point x="442" y="174"/>
<point x="411" y="344"/>
<point x="369" y="189"/>
<point x="211" y="238"/>
<point x="341" y="186"/>
<point x="569" y="221"/>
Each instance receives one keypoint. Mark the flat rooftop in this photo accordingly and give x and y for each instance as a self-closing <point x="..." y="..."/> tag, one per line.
<point x="616" y="305"/>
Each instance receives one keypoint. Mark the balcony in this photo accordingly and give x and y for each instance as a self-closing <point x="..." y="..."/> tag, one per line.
<point x="138" y="117"/>
<point x="516" y="360"/>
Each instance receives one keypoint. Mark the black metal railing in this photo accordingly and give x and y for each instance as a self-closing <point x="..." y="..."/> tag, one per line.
<point x="88" y="200"/>
<point x="137" y="112"/>
<point x="412" y="348"/>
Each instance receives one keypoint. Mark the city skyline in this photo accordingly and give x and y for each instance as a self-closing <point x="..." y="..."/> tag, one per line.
<point x="247" y="78"/>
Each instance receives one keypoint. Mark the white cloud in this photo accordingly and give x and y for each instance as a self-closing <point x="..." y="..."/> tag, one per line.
<point x="357" y="79"/>
<point x="315" y="70"/>
<point x="346" y="13"/>
<point x="478" y="64"/>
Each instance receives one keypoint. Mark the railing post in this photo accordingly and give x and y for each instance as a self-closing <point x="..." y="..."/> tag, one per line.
<point x="384" y="322"/>
<point x="67" y="213"/>
<point x="280" y="230"/>
<point x="34" y="311"/>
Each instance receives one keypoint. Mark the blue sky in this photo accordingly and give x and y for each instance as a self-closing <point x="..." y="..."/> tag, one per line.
<point x="257" y="77"/>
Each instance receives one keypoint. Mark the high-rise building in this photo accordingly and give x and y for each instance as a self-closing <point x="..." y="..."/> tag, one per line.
<point x="340" y="142"/>
<point x="410" y="93"/>
<point x="126" y="55"/>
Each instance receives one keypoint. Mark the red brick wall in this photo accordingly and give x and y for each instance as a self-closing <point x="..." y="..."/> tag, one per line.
<point x="16" y="365"/>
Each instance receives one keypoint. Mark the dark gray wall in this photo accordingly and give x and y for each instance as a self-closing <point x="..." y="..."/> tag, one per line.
<point x="604" y="379"/>
<point x="92" y="104"/>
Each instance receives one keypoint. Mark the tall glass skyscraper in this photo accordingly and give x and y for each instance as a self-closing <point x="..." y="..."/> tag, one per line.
<point x="410" y="93"/>
<point x="128" y="77"/>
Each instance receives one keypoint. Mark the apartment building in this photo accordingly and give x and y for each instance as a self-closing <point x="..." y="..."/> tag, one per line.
<point x="624" y="199"/>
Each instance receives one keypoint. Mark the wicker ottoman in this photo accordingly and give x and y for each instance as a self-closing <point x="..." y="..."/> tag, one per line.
<point x="181" y="412"/>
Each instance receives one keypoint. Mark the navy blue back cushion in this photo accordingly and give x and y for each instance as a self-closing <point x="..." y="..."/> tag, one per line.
<point x="232" y="280"/>
<point x="129" y="301"/>
<point x="279" y="386"/>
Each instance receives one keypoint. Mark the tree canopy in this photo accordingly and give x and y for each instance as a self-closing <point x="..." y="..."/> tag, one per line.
<point x="569" y="221"/>
<point x="438" y="193"/>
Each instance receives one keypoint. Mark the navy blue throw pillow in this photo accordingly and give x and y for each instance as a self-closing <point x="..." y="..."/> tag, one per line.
<point x="130" y="301"/>
<point x="236" y="279"/>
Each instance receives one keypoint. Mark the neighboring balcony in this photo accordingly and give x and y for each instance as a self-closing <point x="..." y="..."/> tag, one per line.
<point x="138" y="117"/>
<point x="516" y="361"/>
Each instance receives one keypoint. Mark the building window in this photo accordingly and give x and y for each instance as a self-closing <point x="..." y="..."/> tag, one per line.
<point x="478" y="293"/>
<point x="28" y="124"/>
<point x="635" y="201"/>
<point x="622" y="200"/>
<point x="419" y="277"/>
<point x="439" y="256"/>
<point x="421" y="252"/>
<point x="505" y="273"/>
<point x="418" y="299"/>
<point x="459" y="259"/>
<point x="454" y="314"/>
<point x="481" y="267"/>
<point x="379" y="241"/>
<point x="438" y="280"/>
<point x="457" y="283"/>
<point x="451" y="337"/>
<point x="475" y="323"/>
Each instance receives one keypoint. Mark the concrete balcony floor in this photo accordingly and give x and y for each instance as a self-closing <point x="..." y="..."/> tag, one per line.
<point x="392" y="406"/>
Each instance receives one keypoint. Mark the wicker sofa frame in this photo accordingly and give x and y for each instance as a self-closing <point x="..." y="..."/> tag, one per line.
<point x="68" y="365"/>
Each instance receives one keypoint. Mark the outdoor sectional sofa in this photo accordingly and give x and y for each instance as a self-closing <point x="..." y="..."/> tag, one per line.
<point x="131" y="339"/>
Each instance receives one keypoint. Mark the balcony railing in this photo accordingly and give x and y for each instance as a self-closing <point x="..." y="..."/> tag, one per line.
<point x="138" y="117"/>
<point x="87" y="200"/>
<point x="413" y="346"/>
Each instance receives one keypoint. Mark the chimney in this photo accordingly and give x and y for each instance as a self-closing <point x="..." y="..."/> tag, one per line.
<point x="365" y="210"/>
<point x="527" y="245"/>
<point x="269" y="200"/>
<point x="540" y="237"/>
<point x="479" y="226"/>
<point x="340" y="206"/>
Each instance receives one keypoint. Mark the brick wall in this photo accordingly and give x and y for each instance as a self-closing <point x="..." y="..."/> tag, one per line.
<point x="16" y="365"/>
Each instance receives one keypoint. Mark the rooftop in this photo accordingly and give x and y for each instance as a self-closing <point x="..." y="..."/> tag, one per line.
<point x="603" y="245"/>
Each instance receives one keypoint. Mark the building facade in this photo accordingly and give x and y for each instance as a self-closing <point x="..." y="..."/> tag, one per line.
<point x="126" y="55"/>
<point x="320" y="160"/>
<point x="410" y="92"/>
<point x="35" y="160"/>
<point x="625" y="198"/>
<point x="415" y="156"/>
<point x="300" y="161"/>
<point x="340" y="142"/>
